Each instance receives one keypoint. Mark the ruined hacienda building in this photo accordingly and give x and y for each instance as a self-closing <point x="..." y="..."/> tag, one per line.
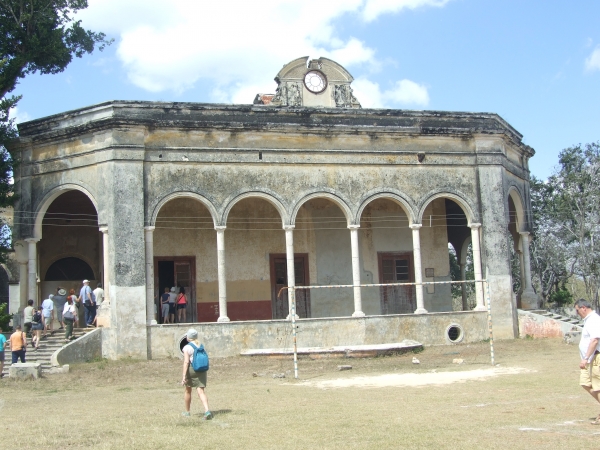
<point x="303" y="187"/>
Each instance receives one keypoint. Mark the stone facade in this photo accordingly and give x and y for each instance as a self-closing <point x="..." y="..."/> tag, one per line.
<point x="236" y="201"/>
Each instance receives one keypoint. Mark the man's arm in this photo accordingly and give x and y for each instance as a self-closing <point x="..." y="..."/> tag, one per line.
<point x="590" y="352"/>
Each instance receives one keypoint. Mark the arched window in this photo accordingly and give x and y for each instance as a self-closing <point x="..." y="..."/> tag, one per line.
<point x="68" y="269"/>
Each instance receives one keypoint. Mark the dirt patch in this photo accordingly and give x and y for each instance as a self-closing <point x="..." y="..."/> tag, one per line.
<point x="416" y="379"/>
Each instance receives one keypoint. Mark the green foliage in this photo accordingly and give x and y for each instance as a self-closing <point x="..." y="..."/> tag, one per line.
<point x="41" y="36"/>
<point x="566" y="215"/>
<point x="5" y="318"/>
<point x="561" y="297"/>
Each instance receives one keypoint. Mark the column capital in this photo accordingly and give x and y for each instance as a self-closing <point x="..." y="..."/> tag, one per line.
<point x="475" y="226"/>
<point x="149" y="228"/>
<point x="524" y="233"/>
<point x="220" y="227"/>
<point x="289" y="227"/>
<point x="103" y="229"/>
<point x="415" y="226"/>
<point x="32" y="240"/>
<point x="353" y="227"/>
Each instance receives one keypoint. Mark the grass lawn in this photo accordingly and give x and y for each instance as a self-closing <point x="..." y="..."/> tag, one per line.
<point x="138" y="404"/>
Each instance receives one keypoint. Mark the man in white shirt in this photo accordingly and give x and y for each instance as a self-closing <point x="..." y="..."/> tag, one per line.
<point x="589" y="349"/>
<point x="99" y="294"/>
<point x="48" y="312"/>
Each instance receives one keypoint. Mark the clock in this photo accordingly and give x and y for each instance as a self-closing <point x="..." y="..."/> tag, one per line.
<point x="315" y="81"/>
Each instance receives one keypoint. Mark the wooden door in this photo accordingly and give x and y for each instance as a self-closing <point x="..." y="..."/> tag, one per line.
<point x="183" y="273"/>
<point x="396" y="268"/>
<point x="183" y="278"/>
<point x="279" y="297"/>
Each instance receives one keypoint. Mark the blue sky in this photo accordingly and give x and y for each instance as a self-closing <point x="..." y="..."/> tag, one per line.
<point x="536" y="63"/>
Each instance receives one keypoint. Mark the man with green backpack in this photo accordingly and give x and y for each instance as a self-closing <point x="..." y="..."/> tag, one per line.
<point x="195" y="368"/>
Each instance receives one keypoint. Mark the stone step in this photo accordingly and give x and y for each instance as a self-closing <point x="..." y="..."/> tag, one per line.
<point x="46" y="349"/>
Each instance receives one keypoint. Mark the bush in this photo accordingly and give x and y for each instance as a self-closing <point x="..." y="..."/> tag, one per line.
<point x="5" y="318"/>
<point x="561" y="297"/>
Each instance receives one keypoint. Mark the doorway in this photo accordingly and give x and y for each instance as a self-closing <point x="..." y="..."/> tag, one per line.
<point x="396" y="268"/>
<point x="178" y="272"/>
<point x="279" y="297"/>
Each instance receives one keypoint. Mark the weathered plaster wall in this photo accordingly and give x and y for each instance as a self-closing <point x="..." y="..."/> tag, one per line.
<point x="230" y="339"/>
<point x="131" y="155"/>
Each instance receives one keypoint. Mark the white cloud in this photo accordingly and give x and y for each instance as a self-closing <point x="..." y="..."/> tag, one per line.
<point x="234" y="45"/>
<point x="19" y="116"/>
<point x="592" y="62"/>
<point x="402" y="93"/>
<point x="375" y="8"/>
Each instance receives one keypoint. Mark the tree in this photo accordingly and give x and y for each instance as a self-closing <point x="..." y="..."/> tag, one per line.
<point x="35" y="36"/>
<point x="566" y="224"/>
<point x="40" y="35"/>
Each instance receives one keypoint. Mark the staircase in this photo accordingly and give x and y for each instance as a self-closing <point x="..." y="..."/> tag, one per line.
<point x="566" y="319"/>
<point x="47" y="347"/>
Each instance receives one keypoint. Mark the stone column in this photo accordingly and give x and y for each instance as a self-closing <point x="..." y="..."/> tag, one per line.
<point x="150" y="318"/>
<point x="358" y="312"/>
<point x="32" y="290"/>
<point x="105" y="262"/>
<point x="291" y="272"/>
<point x="463" y="286"/>
<point x="477" y="266"/>
<point x="221" y="270"/>
<point x="416" y="235"/>
<point x="529" y="299"/>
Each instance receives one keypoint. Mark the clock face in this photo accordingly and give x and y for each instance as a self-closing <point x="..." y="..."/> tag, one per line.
<point x="315" y="81"/>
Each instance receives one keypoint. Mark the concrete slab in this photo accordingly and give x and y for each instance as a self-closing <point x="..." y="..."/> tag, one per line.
<point x="348" y="351"/>
<point x="25" y="370"/>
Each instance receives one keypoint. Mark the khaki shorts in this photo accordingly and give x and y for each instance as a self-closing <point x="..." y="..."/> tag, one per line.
<point x="195" y="379"/>
<point x="590" y="376"/>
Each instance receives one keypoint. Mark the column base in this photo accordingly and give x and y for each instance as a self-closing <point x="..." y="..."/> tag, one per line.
<point x="358" y="314"/>
<point x="529" y="299"/>
<point x="420" y="311"/>
<point x="153" y="322"/>
<point x="480" y="308"/>
<point x="289" y="317"/>
<point x="223" y="319"/>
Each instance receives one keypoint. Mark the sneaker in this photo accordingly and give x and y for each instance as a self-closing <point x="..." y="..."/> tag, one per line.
<point x="207" y="415"/>
<point x="185" y="414"/>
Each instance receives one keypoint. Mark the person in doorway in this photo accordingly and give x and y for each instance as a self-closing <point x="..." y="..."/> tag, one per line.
<point x="48" y="312"/>
<point x="37" y="326"/>
<point x="164" y="305"/>
<point x="28" y="316"/>
<point x="191" y="378"/>
<point x="172" y="298"/>
<point x="589" y="349"/>
<point x="181" y="305"/>
<point x="86" y="297"/>
<point x="3" y="344"/>
<point x="99" y="295"/>
<point x="18" y="345"/>
<point x="59" y="303"/>
<point x="69" y="317"/>
<point x="77" y="305"/>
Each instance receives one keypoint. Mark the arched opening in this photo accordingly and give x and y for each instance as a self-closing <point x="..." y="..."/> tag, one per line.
<point x="322" y="233"/>
<point x="71" y="246"/>
<point x="69" y="268"/>
<point x="444" y="231"/>
<point x="256" y="262"/>
<point x="185" y="256"/>
<point x="515" y="248"/>
<point x="386" y="250"/>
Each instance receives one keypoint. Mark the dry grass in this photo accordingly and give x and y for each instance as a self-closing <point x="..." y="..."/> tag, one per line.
<point x="131" y="404"/>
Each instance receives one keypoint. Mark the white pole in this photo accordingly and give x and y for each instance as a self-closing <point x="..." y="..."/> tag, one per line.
<point x="150" y="276"/>
<point x="358" y="312"/>
<point x="221" y="274"/>
<point x="418" y="270"/>
<point x="489" y="319"/>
